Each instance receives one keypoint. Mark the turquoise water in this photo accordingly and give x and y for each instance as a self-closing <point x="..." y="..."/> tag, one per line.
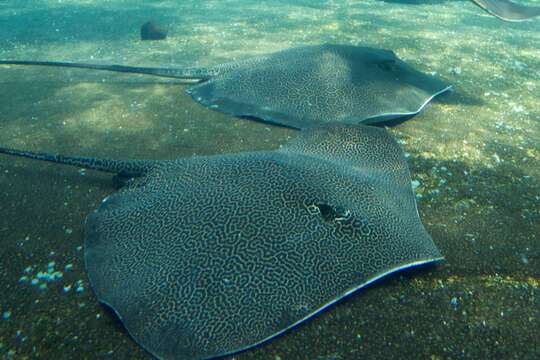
<point x="474" y="154"/>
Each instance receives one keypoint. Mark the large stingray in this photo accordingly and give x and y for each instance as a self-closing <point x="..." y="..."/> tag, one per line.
<point x="507" y="10"/>
<point x="503" y="9"/>
<point x="207" y="256"/>
<point x="304" y="87"/>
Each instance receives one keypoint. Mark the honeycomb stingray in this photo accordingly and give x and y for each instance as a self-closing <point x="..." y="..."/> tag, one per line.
<point x="306" y="86"/>
<point x="507" y="10"/>
<point x="207" y="256"/>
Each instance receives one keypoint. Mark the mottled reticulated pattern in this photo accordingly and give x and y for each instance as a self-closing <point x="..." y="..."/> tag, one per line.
<point x="313" y="85"/>
<point x="206" y="256"/>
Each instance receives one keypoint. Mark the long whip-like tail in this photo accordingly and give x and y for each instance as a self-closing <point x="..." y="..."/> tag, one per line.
<point x="192" y="74"/>
<point x="131" y="168"/>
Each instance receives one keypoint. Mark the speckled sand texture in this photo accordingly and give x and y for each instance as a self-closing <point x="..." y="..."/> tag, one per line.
<point x="474" y="156"/>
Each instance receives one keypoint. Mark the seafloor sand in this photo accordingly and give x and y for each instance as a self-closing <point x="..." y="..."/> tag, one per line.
<point x="475" y="154"/>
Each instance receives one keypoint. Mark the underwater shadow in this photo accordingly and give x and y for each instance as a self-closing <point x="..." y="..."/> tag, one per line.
<point x="458" y="96"/>
<point x="484" y="201"/>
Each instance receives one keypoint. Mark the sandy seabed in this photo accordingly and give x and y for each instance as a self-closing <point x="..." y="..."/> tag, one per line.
<point x="474" y="154"/>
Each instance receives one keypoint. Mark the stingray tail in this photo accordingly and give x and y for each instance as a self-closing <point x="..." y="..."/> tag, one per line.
<point x="193" y="74"/>
<point x="130" y="168"/>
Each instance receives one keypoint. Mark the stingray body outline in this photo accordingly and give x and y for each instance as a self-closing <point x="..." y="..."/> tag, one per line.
<point x="507" y="10"/>
<point x="302" y="87"/>
<point x="347" y="187"/>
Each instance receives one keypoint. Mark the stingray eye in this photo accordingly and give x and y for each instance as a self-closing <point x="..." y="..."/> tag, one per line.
<point x="334" y="213"/>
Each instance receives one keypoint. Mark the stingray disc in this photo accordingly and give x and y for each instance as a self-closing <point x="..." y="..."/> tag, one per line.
<point x="508" y="10"/>
<point x="208" y="256"/>
<point x="313" y="85"/>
